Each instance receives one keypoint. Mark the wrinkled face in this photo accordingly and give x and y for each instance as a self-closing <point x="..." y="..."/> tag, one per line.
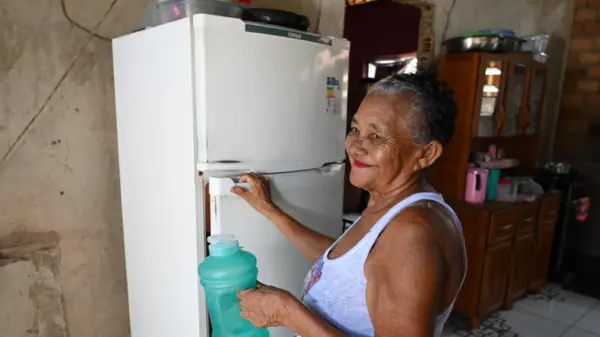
<point x="381" y="147"/>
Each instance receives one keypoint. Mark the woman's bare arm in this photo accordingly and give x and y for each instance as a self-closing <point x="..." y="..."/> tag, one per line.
<point x="405" y="274"/>
<point x="306" y="324"/>
<point x="310" y="243"/>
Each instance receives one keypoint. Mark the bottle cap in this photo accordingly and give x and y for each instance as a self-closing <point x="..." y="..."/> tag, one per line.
<point x="222" y="245"/>
<point x="220" y="238"/>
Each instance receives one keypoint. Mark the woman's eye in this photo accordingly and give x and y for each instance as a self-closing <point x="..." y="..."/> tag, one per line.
<point x="353" y="129"/>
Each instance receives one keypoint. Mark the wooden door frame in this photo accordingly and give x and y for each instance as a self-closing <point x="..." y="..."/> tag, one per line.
<point x="426" y="49"/>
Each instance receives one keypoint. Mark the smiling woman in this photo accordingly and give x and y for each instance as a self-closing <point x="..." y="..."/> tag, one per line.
<point x="398" y="269"/>
<point x="423" y="108"/>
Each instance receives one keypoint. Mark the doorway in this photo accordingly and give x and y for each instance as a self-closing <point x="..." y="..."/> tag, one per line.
<point x="385" y="39"/>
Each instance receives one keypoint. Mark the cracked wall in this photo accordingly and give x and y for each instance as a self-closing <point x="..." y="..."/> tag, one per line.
<point x="62" y="175"/>
<point x="31" y="293"/>
<point x="57" y="115"/>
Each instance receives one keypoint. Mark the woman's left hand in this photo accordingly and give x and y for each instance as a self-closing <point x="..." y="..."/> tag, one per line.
<point x="265" y="306"/>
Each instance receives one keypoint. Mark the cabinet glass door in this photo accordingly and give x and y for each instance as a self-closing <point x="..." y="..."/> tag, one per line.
<point x="514" y="100"/>
<point x="536" y="96"/>
<point x="490" y="99"/>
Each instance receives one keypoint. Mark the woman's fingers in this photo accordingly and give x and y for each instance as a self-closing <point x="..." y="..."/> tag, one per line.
<point x="257" y="194"/>
<point x="243" y="293"/>
<point x="253" y="178"/>
<point x="245" y="178"/>
<point x="240" y="191"/>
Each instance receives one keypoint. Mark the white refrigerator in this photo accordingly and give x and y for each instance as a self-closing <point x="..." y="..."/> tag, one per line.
<point x="200" y="101"/>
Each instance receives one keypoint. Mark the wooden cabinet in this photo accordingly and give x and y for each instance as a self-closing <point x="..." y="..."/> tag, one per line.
<point x="515" y="101"/>
<point x="537" y="92"/>
<point x="510" y="94"/>
<point x="545" y="235"/>
<point x="498" y="260"/>
<point x="508" y="251"/>
<point x="524" y="260"/>
<point x="527" y="215"/>
<point x="524" y="253"/>
<point x="542" y="256"/>
<point x="502" y="226"/>
<point x="487" y="118"/>
<point x="501" y="101"/>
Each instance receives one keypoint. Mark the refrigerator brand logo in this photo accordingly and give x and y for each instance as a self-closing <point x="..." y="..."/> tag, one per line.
<point x="295" y="35"/>
<point x="267" y="30"/>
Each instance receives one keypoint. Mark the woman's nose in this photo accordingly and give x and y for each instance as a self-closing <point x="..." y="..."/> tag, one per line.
<point x="355" y="146"/>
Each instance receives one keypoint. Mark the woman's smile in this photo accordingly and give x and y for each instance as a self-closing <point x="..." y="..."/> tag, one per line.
<point x="359" y="164"/>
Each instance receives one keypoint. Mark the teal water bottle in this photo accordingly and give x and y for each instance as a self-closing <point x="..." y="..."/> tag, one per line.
<point x="227" y="270"/>
<point x="492" y="184"/>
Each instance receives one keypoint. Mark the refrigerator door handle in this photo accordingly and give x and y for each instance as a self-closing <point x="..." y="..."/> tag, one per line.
<point x="222" y="186"/>
<point x="331" y="168"/>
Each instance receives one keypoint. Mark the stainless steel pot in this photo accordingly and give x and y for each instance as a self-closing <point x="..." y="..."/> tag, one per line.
<point x="561" y="168"/>
<point x="489" y="43"/>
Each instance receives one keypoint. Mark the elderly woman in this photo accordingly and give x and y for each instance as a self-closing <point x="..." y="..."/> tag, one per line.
<point x="398" y="269"/>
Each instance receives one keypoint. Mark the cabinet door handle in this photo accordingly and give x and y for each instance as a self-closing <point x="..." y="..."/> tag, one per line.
<point x="530" y="219"/>
<point x="508" y="225"/>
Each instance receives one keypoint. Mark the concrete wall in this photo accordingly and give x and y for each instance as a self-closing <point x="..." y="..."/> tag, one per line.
<point x="57" y="128"/>
<point x="62" y="174"/>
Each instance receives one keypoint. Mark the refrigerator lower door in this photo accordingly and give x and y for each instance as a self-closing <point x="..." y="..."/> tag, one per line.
<point x="313" y="197"/>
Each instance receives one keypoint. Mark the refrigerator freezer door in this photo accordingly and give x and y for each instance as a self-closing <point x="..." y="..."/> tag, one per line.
<point x="312" y="197"/>
<point x="267" y="96"/>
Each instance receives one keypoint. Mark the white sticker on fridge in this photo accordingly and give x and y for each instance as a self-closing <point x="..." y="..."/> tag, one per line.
<point x="334" y="96"/>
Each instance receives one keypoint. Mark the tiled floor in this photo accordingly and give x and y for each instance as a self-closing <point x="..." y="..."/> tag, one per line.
<point x="554" y="313"/>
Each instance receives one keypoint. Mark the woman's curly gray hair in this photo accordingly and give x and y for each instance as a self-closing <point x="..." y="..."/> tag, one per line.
<point x="433" y="109"/>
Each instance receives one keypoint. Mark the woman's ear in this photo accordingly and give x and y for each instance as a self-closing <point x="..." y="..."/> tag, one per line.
<point x="428" y="154"/>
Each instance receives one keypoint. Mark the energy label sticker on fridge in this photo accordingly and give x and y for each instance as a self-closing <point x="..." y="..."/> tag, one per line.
<point x="334" y="96"/>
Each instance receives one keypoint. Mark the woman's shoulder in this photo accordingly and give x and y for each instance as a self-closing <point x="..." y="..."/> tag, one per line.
<point x="409" y="244"/>
<point x="417" y="227"/>
<point x="411" y="227"/>
<point x="413" y="221"/>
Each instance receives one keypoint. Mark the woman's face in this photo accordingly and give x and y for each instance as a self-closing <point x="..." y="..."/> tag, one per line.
<point x="381" y="147"/>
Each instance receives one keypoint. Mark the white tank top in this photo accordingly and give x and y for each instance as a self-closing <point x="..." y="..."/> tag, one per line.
<point x="336" y="289"/>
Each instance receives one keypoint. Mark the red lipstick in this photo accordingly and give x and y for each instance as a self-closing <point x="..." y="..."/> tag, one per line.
<point x="360" y="164"/>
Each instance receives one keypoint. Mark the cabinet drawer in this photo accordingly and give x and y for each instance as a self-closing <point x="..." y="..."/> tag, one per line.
<point x="502" y="227"/>
<point x="549" y="211"/>
<point x="527" y="218"/>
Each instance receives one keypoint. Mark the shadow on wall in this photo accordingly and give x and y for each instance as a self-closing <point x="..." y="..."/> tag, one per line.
<point x="556" y="50"/>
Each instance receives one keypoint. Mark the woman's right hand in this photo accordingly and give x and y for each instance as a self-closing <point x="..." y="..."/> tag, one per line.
<point x="258" y="195"/>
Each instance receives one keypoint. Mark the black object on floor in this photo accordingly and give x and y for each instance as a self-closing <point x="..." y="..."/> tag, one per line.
<point x="584" y="285"/>
<point x="573" y="186"/>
